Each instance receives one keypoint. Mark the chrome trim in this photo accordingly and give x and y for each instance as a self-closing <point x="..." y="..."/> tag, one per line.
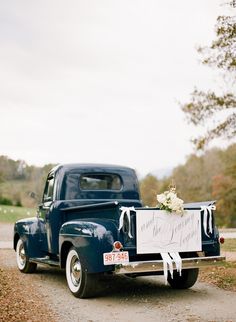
<point x="157" y="266"/>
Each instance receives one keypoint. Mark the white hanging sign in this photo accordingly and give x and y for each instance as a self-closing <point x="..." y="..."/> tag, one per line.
<point x="159" y="231"/>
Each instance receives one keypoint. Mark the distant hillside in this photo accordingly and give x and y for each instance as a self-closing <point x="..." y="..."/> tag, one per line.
<point x="17" y="179"/>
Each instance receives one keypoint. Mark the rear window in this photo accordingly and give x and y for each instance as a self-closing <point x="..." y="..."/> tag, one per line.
<point x="100" y="182"/>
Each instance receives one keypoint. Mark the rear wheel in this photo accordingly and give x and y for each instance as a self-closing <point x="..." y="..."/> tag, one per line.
<point x="80" y="283"/>
<point x="187" y="279"/>
<point x="23" y="263"/>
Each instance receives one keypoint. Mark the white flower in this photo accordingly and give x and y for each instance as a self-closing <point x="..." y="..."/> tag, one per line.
<point x="176" y="204"/>
<point x="161" y="198"/>
<point x="170" y="202"/>
<point x="171" y="195"/>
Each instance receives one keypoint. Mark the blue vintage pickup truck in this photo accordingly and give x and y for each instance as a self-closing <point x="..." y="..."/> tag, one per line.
<point x="92" y="222"/>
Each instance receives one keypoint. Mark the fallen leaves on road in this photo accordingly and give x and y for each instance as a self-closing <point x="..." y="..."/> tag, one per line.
<point x="20" y="302"/>
<point x="222" y="276"/>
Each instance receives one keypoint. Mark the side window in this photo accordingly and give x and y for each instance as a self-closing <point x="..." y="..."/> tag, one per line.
<point x="48" y="191"/>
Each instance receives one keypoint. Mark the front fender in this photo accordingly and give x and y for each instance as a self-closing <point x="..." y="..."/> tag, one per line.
<point x="29" y="231"/>
<point x="91" y="238"/>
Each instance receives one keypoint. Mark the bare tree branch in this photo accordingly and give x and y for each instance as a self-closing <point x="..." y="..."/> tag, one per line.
<point x="222" y="52"/>
<point x="205" y="106"/>
<point x="225" y="129"/>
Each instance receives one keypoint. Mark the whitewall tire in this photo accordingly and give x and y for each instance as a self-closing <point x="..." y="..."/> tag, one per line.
<point x="23" y="263"/>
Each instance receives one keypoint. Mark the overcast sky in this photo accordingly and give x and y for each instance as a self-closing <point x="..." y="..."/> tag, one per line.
<point x="100" y="81"/>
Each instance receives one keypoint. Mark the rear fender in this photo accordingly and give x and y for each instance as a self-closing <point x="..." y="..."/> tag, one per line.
<point x="91" y="238"/>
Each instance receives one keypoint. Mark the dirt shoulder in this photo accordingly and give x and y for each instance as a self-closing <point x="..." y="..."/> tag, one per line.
<point x="20" y="301"/>
<point x="223" y="276"/>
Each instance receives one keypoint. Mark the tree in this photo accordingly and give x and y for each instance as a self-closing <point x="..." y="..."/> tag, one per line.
<point x="149" y="188"/>
<point x="194" y="178"/>
<point x="205" y="106"/>
<point x="224" y="189"/>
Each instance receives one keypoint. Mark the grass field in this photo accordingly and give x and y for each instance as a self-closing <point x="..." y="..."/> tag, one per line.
<point x="229" y="245"/>
<point x="11" y="214"/>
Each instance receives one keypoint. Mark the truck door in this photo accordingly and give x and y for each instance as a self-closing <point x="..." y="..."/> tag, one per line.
<point x="45" y="210"/>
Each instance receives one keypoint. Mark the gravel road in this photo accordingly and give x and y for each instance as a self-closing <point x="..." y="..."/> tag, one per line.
<point x="125" y="299"/>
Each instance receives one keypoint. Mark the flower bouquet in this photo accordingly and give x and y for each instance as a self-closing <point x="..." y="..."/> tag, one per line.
<point x="170" y="202"/>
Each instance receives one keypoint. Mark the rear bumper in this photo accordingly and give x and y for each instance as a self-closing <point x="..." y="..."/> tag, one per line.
<point x="157" y="266"/>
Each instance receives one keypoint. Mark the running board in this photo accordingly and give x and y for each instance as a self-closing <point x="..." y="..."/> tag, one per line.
<point x="45" y="260"/>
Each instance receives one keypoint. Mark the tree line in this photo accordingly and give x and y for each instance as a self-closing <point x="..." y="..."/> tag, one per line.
<point x="211" y="176"/>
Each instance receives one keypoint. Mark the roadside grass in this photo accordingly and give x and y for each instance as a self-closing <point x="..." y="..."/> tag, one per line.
<point x="10" y="214"/>
<point x="223" y="276"/>
<point x="229" y="245"/>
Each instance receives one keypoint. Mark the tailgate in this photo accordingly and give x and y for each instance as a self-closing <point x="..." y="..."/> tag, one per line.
<point x="130" y="233"/>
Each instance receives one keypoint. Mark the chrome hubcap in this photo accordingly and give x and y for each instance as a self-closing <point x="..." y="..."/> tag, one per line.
<point x="22" y="257"/>
<point x="75" y="270"/>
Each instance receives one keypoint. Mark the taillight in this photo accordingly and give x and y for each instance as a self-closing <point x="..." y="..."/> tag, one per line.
<point x="221" y="240"/>
<point x="117" y="246"/>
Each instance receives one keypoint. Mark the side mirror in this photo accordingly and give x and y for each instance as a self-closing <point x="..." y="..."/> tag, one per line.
<point x="34" y="196"/>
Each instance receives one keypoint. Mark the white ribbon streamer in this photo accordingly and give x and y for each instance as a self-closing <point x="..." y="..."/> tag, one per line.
<point x="178" y="261"/>
<point x="126" y="211"/>
<point x="207" y="210"/>
<point x="167" y="264"/>
<point x="168" y="259"/>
